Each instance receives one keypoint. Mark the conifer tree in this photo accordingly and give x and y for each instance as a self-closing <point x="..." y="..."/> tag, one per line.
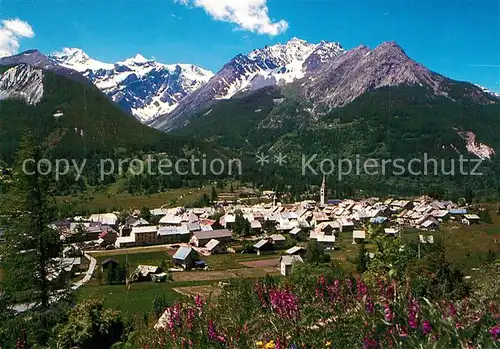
<point x="28" y="264"/>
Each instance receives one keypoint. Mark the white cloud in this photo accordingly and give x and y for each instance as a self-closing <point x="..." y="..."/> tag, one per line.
<point x="11" y="32"/>
<point x="251" y="15"/>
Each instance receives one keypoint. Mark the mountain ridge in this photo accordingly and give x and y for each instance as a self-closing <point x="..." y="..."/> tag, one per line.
<point x="167" y="96"/>
<point x="144" y="87"/>
<point x="269" y="66"/>
<point x="330" y="79"/>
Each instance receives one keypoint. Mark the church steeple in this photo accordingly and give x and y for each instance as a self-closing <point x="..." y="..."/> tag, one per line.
<point x="322" y="192"/>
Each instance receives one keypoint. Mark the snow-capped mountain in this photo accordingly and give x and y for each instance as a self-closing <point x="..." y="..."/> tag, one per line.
<point x="272" y="65"/>
<point x="142" y="86"/>
<point x="22" y="82"/>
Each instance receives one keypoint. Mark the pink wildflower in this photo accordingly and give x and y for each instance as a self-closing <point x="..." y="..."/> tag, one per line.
<point x="426" y="327"/>
<point x="284" y="303"/>
<point x="389" y="316"/>
<point x="495" y="332"/>
<point x="369" y="305"/>
<point x="212" y="334"/>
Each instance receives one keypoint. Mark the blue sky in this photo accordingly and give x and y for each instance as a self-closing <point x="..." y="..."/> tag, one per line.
<point x="459" y="39"/>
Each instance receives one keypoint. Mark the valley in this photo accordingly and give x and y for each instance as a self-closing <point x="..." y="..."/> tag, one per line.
<point x="303" y="195"/>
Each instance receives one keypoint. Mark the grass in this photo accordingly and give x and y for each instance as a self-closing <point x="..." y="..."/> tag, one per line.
<point x="494" y="231"/>
<point x="109" y="200"/>
<point x="153" y="255"/>
<point x="137" y="298"/>
<point x="130" y="251"/>
<point x="135" y="259"/>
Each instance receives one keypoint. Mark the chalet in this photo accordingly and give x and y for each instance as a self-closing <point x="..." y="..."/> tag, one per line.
<point x="110" y="219"/>
<point x="346" y="224"/>
<point x="215" y="246"/>
<point x="201" y="238"/>
<point x="287" y="263"/>
<point x="358" y="236"/>
<point x="84" y="232"/>
<point x="285" y="225"/>
<point x="207" y="224"/>
<point x="329" y="228"/>
<point x="147" y="235"/>
<point x="145" y="272"/>
<point x="391" y="231"/>
<point x="109" y="263"/>
<point x="193" y="226"/>
<point x="319" y="217"/>
<point x="185" y="257"/>
<point x="362" y="216"/>
<point x="169" y="220"/>
<point x="228" y="220"/>
<point x="139" y="222"/>
<point x="263" y="247"/>
<point x="278" y="240"/>
<point x="471" y="219"/>
<point x="64" y="267"/>
<point x="401" y="205"/>
<point x="258" y="216"/>
<point x="190" y="217"/>
<point x="173" y="234"/>
<point x="296" y="251"/>
<point x="125" y="241"/>
<point x="440" y="214"/>
<point x="326" y="241"/>
<point x="298" y="234"/>
<point x="458" y="211"/>
<point x="378" y="220"/>
<point x="430" y="224"/>
<point x="256" y="226"/>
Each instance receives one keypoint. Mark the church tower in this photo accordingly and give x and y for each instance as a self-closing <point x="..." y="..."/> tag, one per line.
<point x="322" y="192"/>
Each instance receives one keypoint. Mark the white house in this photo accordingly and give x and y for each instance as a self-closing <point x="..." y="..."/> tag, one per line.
<point x="287" y="262"/>
<point x="326" y="241"/>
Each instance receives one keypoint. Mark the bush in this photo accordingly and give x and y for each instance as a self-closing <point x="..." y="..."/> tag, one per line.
<point x="91" y="326"/>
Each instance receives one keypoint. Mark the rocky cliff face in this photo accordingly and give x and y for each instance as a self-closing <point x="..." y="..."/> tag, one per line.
<point x="37" y="59"/>
<point x="361" y="69"/>
<point x="22" y="82"/>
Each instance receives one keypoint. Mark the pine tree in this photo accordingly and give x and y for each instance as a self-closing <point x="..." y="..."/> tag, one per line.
<point x="214" y="195"/>
<point x="362" y="260"/>
<point x="30" y="245"/>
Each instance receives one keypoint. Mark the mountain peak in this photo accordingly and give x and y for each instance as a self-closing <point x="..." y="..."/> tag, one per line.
<point x="297" y="40"/>
<point x="390" y="46"/>
<point x="71" y="56"/>
<point x="77" y="59"/>
<point x="140" y="58"/>
<point x="30" y="52"/>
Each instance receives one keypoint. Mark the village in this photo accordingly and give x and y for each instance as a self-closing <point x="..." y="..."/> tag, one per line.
<point x="191" y="235"/>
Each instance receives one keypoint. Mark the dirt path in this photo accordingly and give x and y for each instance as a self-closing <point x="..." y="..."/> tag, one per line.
<point x="224" y="274"/>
